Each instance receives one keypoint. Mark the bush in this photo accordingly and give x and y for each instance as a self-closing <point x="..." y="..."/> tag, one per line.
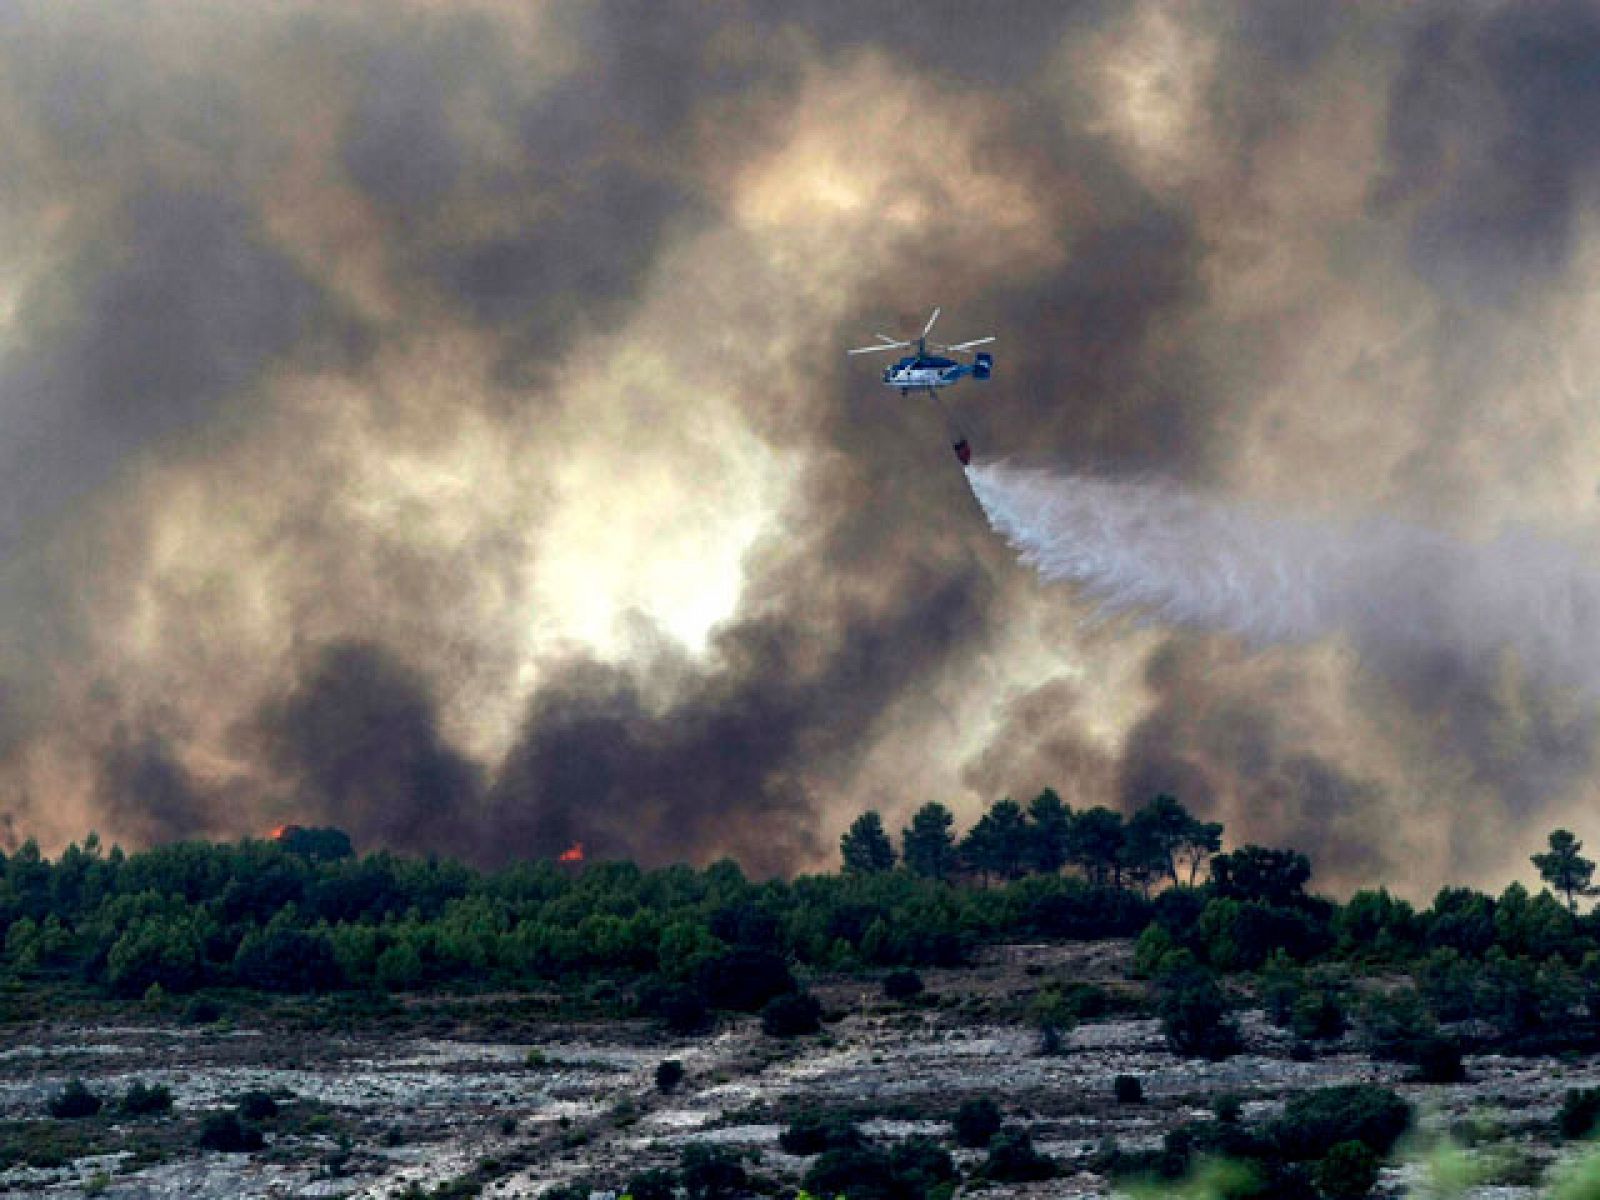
<point x="669" y="1074"/>
<point x="224" y="1132"/>
<point x="655" y="1184"/>
<point x="1228" y="1108"/>
<point x="791" y="1015"/>
<point x="1314" y="1122"/>
<point x="1012" y="1159"/>
<point x="912" y="1170"/>
<point x="1317" y="1016"/>
<point x="1580" y="1110"/>
<point x="976" y="1122"/>
<point x="1128" y="1089"/>
<point x="202" y="1010"/>
<point x="681" y="1009"/>
<point x="902" y="985"/>
<point x="814" y="1132"/>
<point x="1396" y="1023"/>
<point x="919" y="1165"/>
<point x="744" y="980"/>
<point x="711" y="1173"/>
<point x="1438" y="1060"/>
<point x="142" y="1101"/>
<point x="74" y="1102"/>
<point x="257" y="1106"/>
<point x="1194" y="1015"/>
<point x="1349" y="1172"/>
<point x="860" y="1172"/>
<point x="1051" y="1041"/>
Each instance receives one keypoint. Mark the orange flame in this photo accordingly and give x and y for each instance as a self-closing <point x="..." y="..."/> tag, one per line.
<point x="573" y="854"/>
<point x="282" y="831"/>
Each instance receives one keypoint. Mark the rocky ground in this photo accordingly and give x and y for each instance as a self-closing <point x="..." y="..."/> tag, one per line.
<point x="365" y="1112"/>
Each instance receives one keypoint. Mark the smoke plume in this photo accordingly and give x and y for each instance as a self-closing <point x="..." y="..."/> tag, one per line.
<point x="432" y="419"/>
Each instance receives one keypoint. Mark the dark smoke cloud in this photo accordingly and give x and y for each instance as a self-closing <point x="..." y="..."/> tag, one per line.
<point x="343" y="313"/>
<point x="399" y="147"/>
<point x="1040" y="742"/>
<point x="358" y="740"/>
<point x="1084" y="337"/>
<point x="149" y="338"/>
<point x="728" y="764"/>
<point x="1491" y="137"/>
<point x="1215" y="738"/>
<point x="144" y="790"/>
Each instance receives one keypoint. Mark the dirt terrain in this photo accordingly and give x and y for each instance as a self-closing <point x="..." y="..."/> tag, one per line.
<point x="369" y="1113"/>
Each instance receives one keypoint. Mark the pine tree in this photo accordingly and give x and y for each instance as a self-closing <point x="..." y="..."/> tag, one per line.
<point x="1565" y="869"/>
<point x="865" y="847"/>
<point x="1050" y="828"/>
<point x="927" y="846"/>
<point x="999" y="843"/>
<point x="1098" y="842"/>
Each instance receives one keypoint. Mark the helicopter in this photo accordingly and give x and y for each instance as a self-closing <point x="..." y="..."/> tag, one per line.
<point x="929" y="372"/>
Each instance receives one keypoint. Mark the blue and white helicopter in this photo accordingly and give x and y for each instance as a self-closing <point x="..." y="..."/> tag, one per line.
<point x="932" y="371"/>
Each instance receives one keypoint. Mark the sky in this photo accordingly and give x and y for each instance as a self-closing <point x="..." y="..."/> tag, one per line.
<point x="432" y="418"/>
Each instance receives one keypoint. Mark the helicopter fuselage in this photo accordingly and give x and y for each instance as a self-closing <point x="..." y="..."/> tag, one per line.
<point x="925" y="371"/>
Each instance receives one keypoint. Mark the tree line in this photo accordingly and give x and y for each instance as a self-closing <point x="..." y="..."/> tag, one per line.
<point x="307" y="914"/>
<point x="1161" y="842"/>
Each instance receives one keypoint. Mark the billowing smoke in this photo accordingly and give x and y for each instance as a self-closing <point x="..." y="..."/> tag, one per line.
<point x="432" y="420"/>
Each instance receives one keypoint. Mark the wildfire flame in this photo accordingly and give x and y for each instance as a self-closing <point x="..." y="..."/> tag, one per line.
<point x="282" y="831"/>
<point x="573" y="854"/>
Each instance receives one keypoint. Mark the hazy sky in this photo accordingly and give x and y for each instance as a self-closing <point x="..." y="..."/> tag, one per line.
<point x="431" y="418"/>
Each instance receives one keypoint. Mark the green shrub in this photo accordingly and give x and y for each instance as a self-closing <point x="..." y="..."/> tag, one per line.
<point x="1194" y="1015"/>
<point x="859" y="1172"/>
<point x="1438" y="1060"/>
<point x="223" y="1131"/>
<point x="656" y="1184"/>
<point x="744" y="980"/>
<point x="814" y="1132"/>
<point x="74" y="1102"/>
<point x="1314" y="1122"/>
<point x="1349" y="1172"/>
<point x="1013" y="1159"/>
<point x="976" y="1122"/>
<point x="202" y="1010"/>
<point x="916" y="1169"/>
<point x="791" y="1015"/>
<point x="1580" y="1111"/>
<point x="257" y="1106"/>
<point x="1317" y="1016"/>
<point x="1156" y="951"/>
<point x="711" y="1173"/>
<point x="142" y="1101"/>
<point x="902" y="985"/>
<point x="920" y="1164"/>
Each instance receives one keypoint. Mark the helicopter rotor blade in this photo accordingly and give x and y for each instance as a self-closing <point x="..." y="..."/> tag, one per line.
<point x="928" y="328"/>
<point x="983" y="341"/>
<point x="884" y="337"/>
<point x="872" y="349"/>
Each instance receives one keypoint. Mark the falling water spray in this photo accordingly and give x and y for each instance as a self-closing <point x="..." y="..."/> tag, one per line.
<point x="1394" y="589"/>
